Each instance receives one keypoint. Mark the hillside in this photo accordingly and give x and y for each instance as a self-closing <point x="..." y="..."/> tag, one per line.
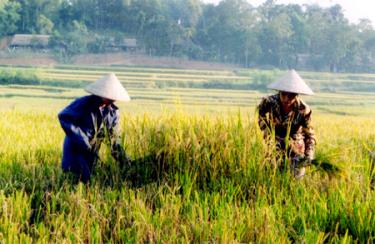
<point x="46" y="58"/>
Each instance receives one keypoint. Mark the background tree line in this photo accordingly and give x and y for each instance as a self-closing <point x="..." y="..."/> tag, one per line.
<point x="234" y="31"/>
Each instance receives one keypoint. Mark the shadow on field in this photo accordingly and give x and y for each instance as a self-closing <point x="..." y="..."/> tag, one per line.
<point x="141" y="171"/>
<point x="42" y="182"/>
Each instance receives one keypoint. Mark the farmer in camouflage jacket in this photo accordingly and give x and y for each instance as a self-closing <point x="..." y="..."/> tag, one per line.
<point x="287" y="117"/>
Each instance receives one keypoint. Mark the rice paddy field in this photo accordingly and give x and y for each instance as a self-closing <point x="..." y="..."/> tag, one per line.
<point x="202" y="171"/>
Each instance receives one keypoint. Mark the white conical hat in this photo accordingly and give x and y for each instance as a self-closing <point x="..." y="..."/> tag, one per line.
<point x="291" y="82"/>
<point x="109" y="87"/>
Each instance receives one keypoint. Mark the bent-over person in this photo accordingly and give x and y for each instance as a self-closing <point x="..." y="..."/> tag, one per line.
<point x="87" y="121"/>
<point x="287" y="117"/>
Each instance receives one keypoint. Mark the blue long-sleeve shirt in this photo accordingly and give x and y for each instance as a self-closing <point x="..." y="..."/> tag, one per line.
<point x="85" y="125"/>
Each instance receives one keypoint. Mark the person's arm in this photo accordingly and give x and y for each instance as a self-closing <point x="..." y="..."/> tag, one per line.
<point x="263" y="119"/>
<point x="68" y="118"/>
<point x="309" y="136"/>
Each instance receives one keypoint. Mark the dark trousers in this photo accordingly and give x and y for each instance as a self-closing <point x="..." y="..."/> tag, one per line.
<point x="79" y="162"/>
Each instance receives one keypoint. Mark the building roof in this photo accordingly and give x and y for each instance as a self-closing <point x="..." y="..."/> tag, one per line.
<point x="130" y="42"/>
<point x="29" y="40"/>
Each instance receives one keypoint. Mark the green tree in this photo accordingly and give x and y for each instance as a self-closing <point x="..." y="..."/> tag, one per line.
<point x="366" y="34"/>
<point x="275" y="35"/>
<point x="72" y="41"/>
<point x="232" y="31"/>
<point x="9" y="17"/>
<point x="330" y="41"/>
<point x="37" y="15"/>
<point x="227" y="32"/>
<point x="44" y="25"/>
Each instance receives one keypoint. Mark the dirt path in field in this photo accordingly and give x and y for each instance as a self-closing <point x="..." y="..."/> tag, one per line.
<point x="35" y="61"/>
<point x="26" y="57"/>
<point x="118" y="58"/>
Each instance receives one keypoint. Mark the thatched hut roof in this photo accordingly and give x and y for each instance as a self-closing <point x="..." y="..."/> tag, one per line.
<point x="130" y="42"/>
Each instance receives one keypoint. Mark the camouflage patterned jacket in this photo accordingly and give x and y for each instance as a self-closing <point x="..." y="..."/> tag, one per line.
<point x="301" y="135"/>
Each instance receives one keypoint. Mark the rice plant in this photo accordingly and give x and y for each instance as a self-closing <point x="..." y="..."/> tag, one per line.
<point x="195" y="178"/>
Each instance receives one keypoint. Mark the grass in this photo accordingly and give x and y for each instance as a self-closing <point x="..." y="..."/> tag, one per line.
<point x="202" y="171"/>
<point x="46" y="97"/>
<point x="196" y="179"/>
<point x="137" y="77"/>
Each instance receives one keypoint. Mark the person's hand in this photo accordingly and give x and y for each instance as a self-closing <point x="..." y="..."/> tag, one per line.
<point x="126" y="161"/>
<point x="301" y="161"/>
<point x="308" y="161"/>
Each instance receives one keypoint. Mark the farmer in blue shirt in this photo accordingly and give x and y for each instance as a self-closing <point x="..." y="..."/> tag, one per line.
<point x="87" y="121"/>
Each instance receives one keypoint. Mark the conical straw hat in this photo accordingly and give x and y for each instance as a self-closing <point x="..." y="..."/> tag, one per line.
<point x="291" y="82"/>
<point x="108" y="87"/>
